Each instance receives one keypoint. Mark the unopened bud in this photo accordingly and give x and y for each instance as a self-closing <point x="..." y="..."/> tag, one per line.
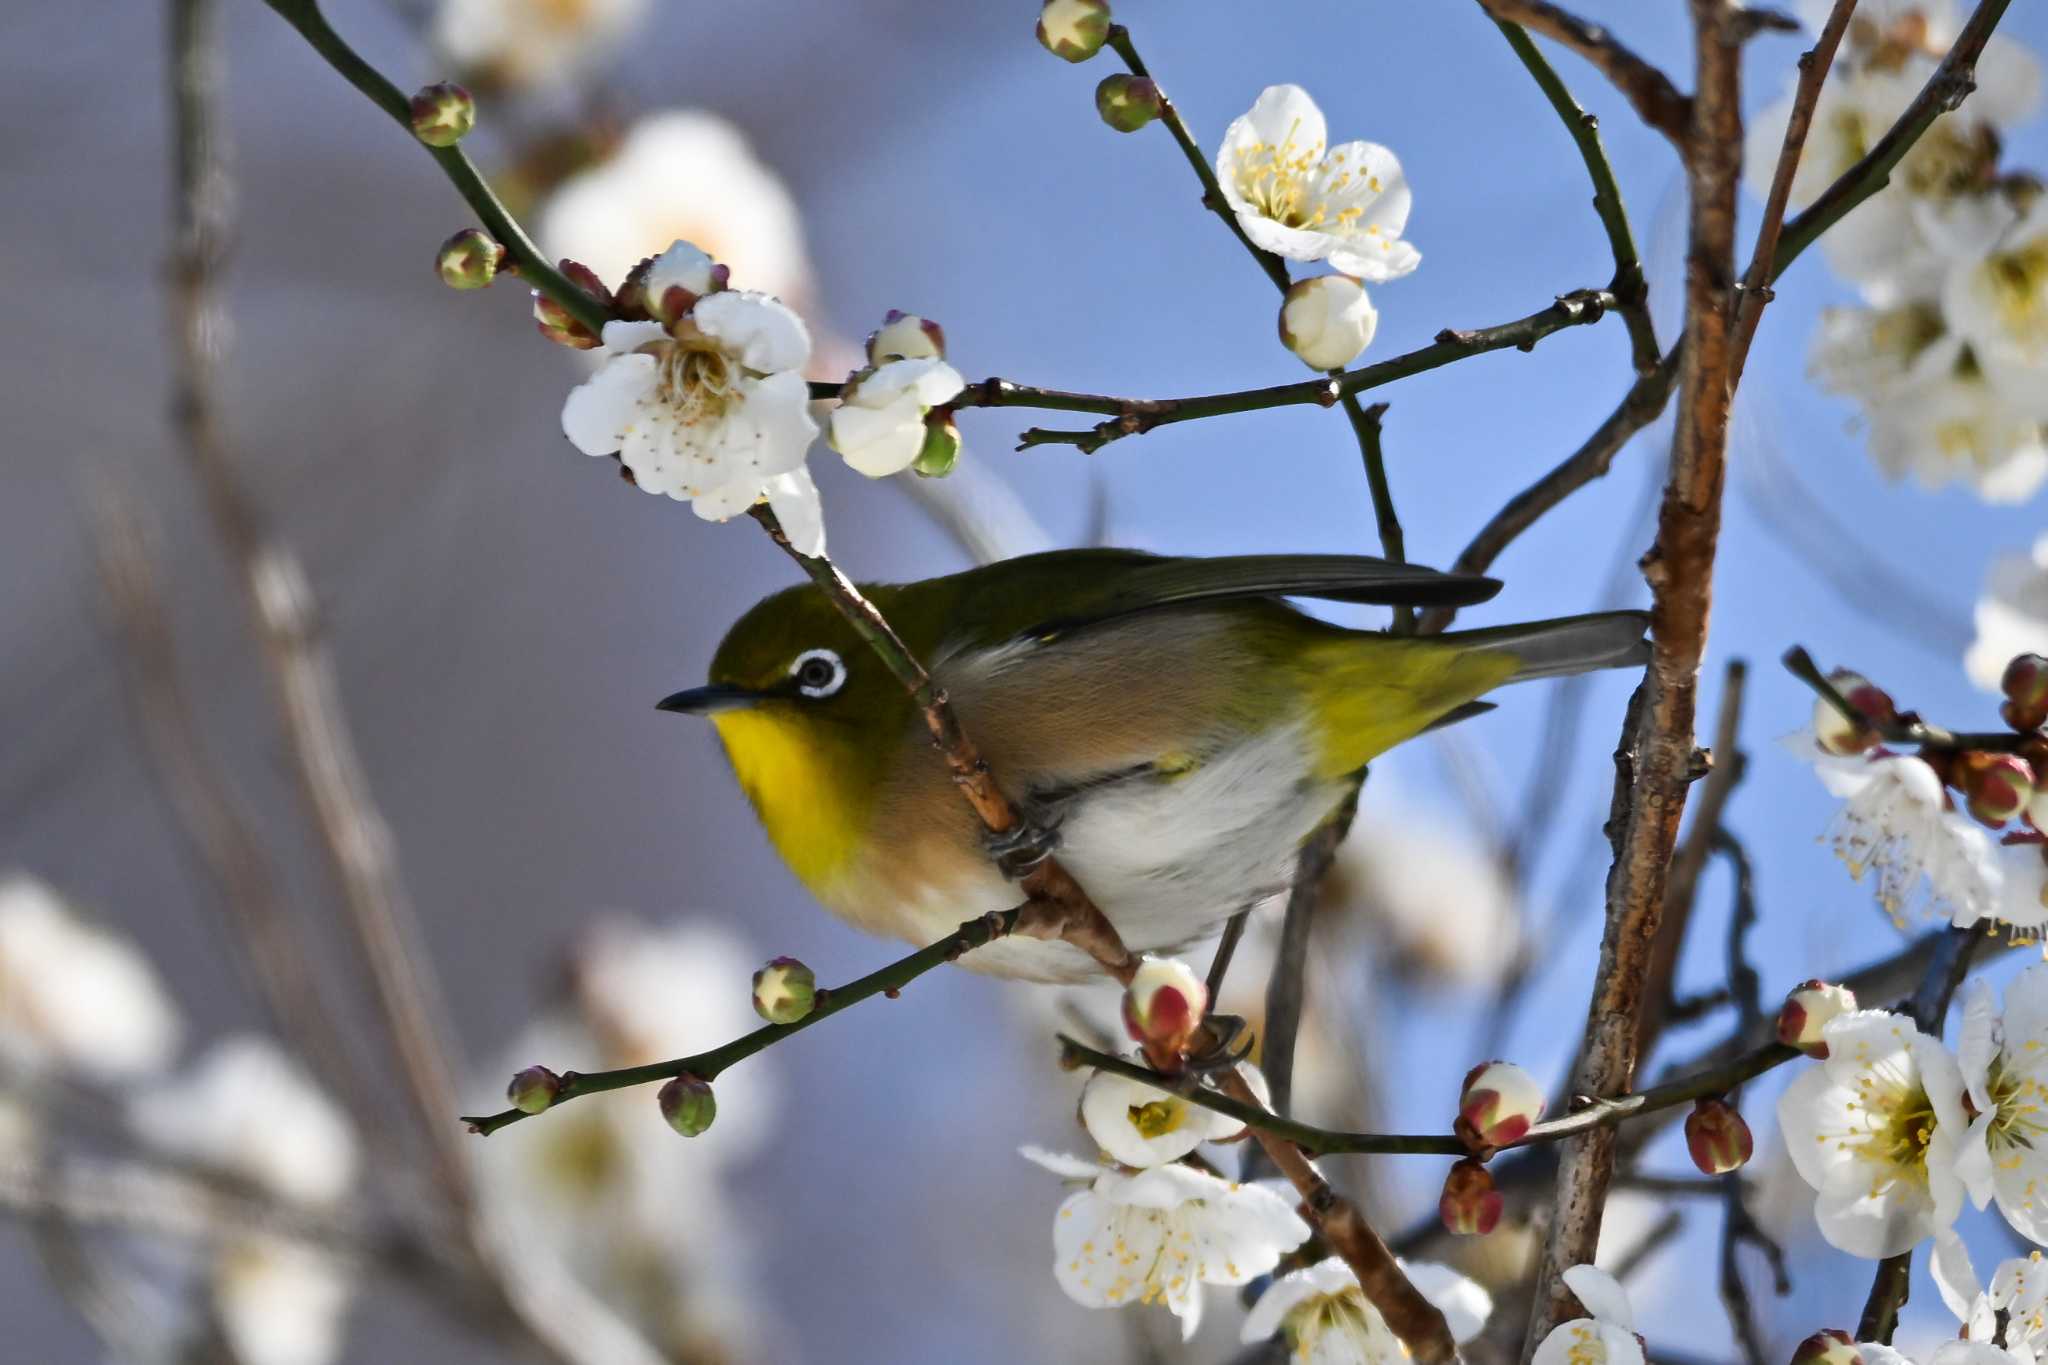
<point x="469" y="259"/>
<point x="533" y="1089"/>
<point x="906" y="336"/>
<point x="1996" y="787"/>
<point x="941" y="449"/>
<point x="1073" y="29"/>
<point x="1497" y="1106"/>
<point x="666" y="287"/>
<point x="1163" y="1006"/>
<point x="1470" y="1206"/>
<point x="2025" y="685"/>
<point x="1804" y="1017"/>
<point x="557" y="323"/>
<point x="1327" y="320"/>
<point x="1717" y="1137"/>
<point x="1126" y="102"/>
<point x="688" y="1104"/>
<point x="442" y="114"/>
<point x="784" y="991"/>
<point x="1837" y="733"/>
<point x="1832" y="1347"/>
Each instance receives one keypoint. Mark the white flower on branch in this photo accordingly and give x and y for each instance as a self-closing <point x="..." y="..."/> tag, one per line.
<point x="1954" y="421"/>
<point x="1327" y="320"/>
<point x="681" y="175"/>
<point x="713" y="411"/>
<point x="1877" y="1129"/>
<point x="1868" y="353"/>
<point x="1159" y="1235"/>
<point x="1608" y="1337"/>
<point x="534" y="42"/>
<point x="250" y="1110"/>
<point x="1327" y="1320"/>
<point x="2004" y="1061"/>
<point x="1896" y="822"/>
<point x="879" y="425"/>
<point x="1295" y="195"/>
<point x="1141" y="1125"/>
<point x="1996" y="293"/>
<point x="280" y="1303"/>
<point x="2012" y="615"/>
<point x="75" y="996"/>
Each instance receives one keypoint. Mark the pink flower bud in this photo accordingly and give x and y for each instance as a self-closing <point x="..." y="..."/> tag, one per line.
<point x="533" y="1089"/>
<point x="1164" y="1006"/>
<point x="665" y="288"/>
<point x="2026" y="687"/>
<point x="1831" y="1347"/>
<point x="1717" y="1137"/>
<point x="1804" y="1016"/>
<point x="1996" y="787"/>
<point x="1470" y="1206"/>
<point x="557" y="323"/>
<point x="906" y="336"/>
<point x="442" y="114"/>
<point x="1498" y="1104"/>
<point x="1074" y="30"/>
<point x="1126" y="102"/>
<point x="469" y="260"/>
<point x="784" y="991"/>
<point x="688" y="1104"/>
<point x="1838" y="734"/>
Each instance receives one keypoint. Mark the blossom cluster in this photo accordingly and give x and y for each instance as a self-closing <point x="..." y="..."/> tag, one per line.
<point x="1947" y="356"/>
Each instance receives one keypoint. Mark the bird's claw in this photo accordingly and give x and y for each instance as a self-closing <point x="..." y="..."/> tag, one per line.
<point x="1024" y="845"/>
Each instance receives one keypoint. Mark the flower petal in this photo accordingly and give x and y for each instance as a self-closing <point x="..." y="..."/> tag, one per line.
<point x="600" y="411"/>
<point x="793" y="497"/>
<point x="1060" y="1163"/>
<point x="763" y="331"/>
<point x="1600" y="1293"/>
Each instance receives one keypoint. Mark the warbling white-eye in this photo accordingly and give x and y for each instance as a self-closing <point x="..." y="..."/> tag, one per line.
<point x="1172" y="724"/>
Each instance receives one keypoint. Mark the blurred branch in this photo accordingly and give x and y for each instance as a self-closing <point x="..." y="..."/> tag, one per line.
<point x="1656" y="100"/>
<point x="1631" y="291"/>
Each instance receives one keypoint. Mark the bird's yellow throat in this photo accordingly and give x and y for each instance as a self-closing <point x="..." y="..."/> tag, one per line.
<point x="798" y="790"/>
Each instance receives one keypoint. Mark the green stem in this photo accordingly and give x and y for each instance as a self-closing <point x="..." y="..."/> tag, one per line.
<point x="1629" y="286"/>
<point x="707" y="1065"/>
<point x="534" y="268"/>
<point x="1316" y="1141"/>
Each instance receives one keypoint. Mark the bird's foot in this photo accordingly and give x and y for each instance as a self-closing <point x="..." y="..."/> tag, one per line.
<point x="1233" y="1044"/>
<point x="1026" y="844"/>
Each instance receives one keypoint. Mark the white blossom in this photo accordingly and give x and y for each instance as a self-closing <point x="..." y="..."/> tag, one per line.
<point x="716" y="413"/>
<point x="1878" y="1130"/>
<point x="1159" y="1235"/>
<point x="1868" y="353"/>
<point x="1295" y="195"/>
<point x="2004" y="1061"/>
<point x="542" y="43"/>
<point x="280" y="1303"/>
<point x="2012" y="615"/>
<point x="1996" y="293"/>
<point x="1327" y="320"/>
<point x="879" y="423"/>
<point x="681" y="175"/>
<point x="1607" y="1337"/>
<point x="1327" y="1319"/>
<point x="250" y="1110"/>
<point x="1141" y="1125"/>
<point x="75" y="996"/>
<point x="1954" y="421"/>
<point x="1896" y="822"/>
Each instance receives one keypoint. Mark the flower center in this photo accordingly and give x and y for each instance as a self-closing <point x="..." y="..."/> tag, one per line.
<point x="1902" y="1126"/>
<point x="1290" y="183"/>
<point x="1158" y="1118"/>
<point x="2017" y="1116"/>
<point x="697" y="379"/>
<point x="2019" y="282"/>
<point x="1906" y="331"/>
<point x="1344" y="1314"/>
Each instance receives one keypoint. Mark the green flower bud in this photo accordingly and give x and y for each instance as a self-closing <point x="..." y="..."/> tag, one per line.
<point x="941" y="450"/>
<point x="533" y="1089"/>
<point x="1127" y="103"/>
<point x="442" y="114"/>
<point x="469" y="260"/>
<point x="1074" y="29"/>
<point x="688" y="1104"/>
<point x="784" y="991"/>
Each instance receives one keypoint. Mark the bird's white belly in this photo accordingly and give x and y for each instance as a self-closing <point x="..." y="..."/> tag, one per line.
<point x="1167" y="859"/>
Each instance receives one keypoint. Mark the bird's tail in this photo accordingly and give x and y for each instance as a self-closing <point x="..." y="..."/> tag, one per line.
<point x="1567" y="645"/>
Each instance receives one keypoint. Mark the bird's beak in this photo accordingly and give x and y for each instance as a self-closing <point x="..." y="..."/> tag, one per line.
<point x="704" y="701"/>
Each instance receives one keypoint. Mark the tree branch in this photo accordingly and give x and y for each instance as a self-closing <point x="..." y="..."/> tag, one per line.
<point x="1655" y="99"/>
<point x="1906" y="729"/>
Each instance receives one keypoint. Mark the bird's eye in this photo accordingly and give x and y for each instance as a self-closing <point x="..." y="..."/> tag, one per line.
<point x="818" y="673"/>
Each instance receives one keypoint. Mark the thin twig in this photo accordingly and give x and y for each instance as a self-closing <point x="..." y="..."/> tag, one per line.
<point x="1365" y="424"/>
<point x="1226" y="949"/>
<point x="1656" y="100"/>
<point x="1905" y="729"/>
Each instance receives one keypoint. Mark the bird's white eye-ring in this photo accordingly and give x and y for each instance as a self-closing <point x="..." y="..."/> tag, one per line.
<point x="818" y="672"/>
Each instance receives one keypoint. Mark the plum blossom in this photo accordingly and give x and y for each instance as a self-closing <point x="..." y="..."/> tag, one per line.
<point x="1327" y="320"/>
<point x="2012" y="615"/>
<point x="280" y="1302"/>
<point x="1327" y="1320"/>
<point x="1297" y="196"/>
<point x="75" y="996"/>
<point x="1607" y="1337"/>
<point x="1995" y="295"/>
<point x="1159" y="1235"/>
<point x="1141" y="1125"/>
<point x="1878" y="1130"/>
<point x="2004" y="1062"/>
<point x="879" y="425"/>
<point x="534" y="42"/>
<point x="1953" y="421"/>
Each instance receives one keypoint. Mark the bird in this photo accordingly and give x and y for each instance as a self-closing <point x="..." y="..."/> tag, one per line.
<point x="1173" y="728"/>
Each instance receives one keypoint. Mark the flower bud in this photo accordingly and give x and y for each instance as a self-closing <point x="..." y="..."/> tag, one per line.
<point x="1997" y="787"/>
<point x="1499" y="1102"/>
<point x="784" y="991"/>
<point x="666" y="287"/>
<point x="442" y="114"/>
<point x="941" y="450"/>
<point x="1717" y="1137"/>
<point x="1163" y="1005"/>
<point x="1832" y="1347"/>
<point x="688" y="1104"/>
<point x="2025" y="685"/>
<point x="533" y="1089"/>
<point x="1470" y="1206"/>
<point x="557" y="323"/>
<point x="1126" y="102"/>
<point x="1803" y="1018"/>
<point x="1327" y="320"/>
<point x="1838" y="734"/>
<point x="1074" y="29"/>
<point x="469" y="259"/>
<point x="906" y="336"/>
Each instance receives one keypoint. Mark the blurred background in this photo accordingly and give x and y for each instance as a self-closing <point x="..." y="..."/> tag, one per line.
<point x="502" y="613"/>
